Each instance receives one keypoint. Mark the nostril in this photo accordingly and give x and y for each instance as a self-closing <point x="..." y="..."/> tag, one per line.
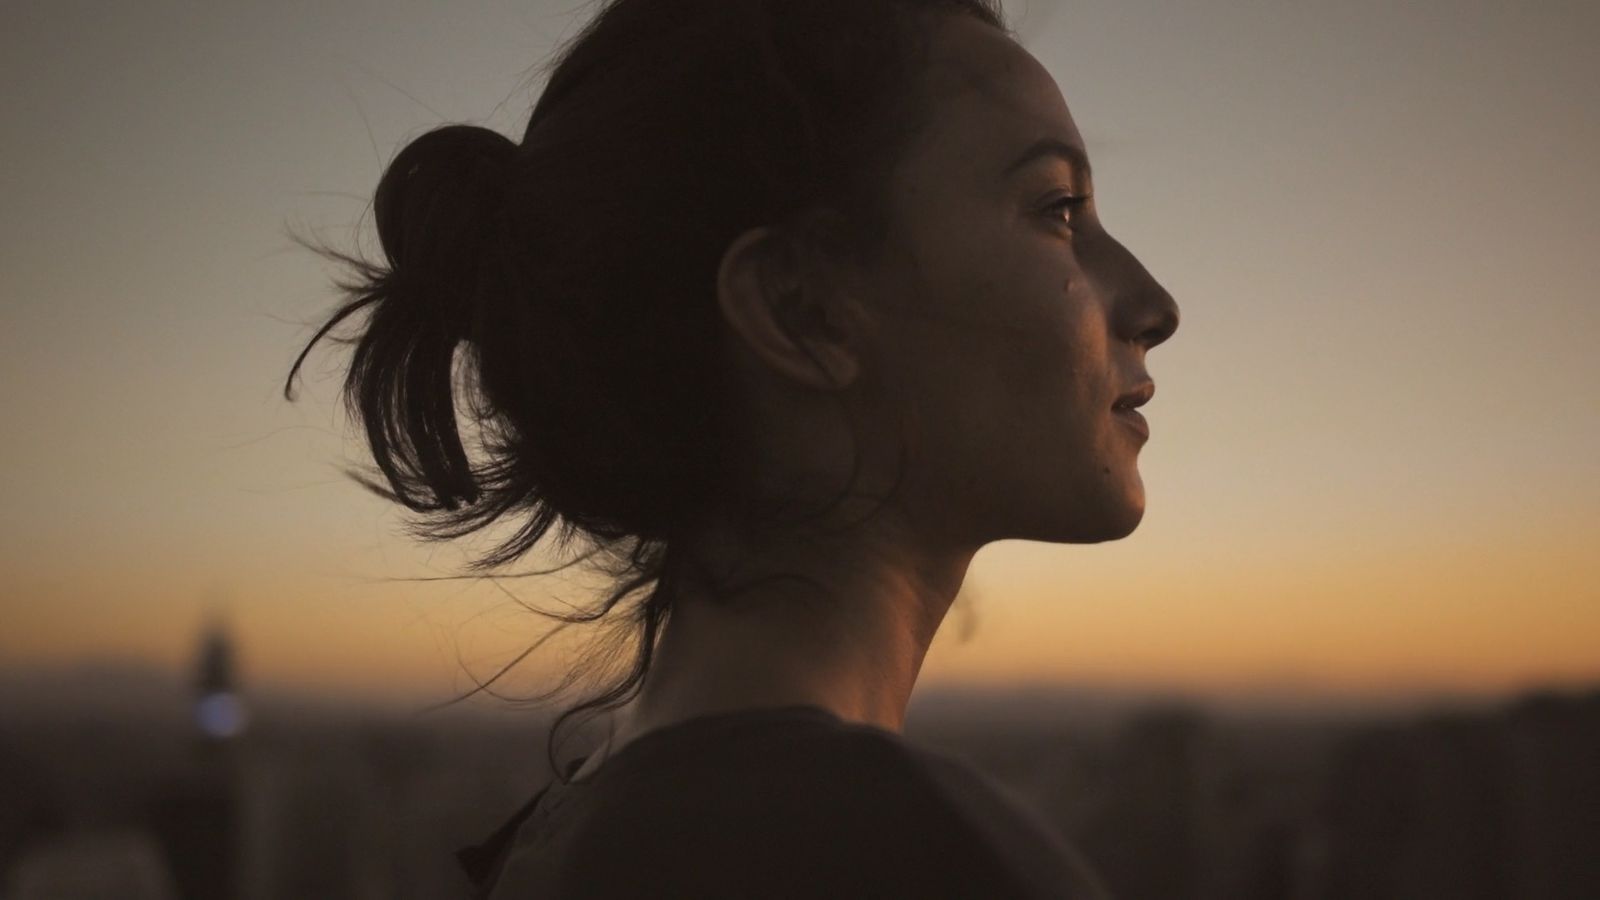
<point x="1164" y="326"/>
<point x="1148" y="315"/>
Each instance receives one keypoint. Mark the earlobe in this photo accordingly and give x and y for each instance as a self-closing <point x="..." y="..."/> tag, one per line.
<point x="782" y="318"/>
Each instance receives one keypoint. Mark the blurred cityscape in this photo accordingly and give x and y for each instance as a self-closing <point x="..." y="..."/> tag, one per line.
<point x="127" y="783"/>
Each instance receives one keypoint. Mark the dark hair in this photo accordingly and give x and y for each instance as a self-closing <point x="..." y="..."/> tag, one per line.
<point x="575" y="274"/>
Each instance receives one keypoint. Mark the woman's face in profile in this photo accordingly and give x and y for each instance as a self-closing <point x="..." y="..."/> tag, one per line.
<point x="1015" y="326"/>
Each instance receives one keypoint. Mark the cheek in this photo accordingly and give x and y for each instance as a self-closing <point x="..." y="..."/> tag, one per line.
<point x="1054" y="353"/>
<point x="1006" y="354"/>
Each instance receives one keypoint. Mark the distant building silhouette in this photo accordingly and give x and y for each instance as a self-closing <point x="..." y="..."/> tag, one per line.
<point x="196" y="814"/>
<point x="1553" y="757"/>
<point x="219" y="709"/>
<point x="1471" y="806"/>
<point x="1153" y="778"/>
<point x="92" y="865"/>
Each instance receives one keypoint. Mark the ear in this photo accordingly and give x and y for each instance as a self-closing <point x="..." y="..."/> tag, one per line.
<point x="795" y="322"/>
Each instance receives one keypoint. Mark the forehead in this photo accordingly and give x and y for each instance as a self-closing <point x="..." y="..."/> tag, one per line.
<point x="986" y="99"/>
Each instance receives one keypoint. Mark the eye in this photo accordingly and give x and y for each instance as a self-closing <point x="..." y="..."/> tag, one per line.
<point x="1064" y="208"/>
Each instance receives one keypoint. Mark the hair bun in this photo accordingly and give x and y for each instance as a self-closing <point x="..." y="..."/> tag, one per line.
<point x="440" y="191"/>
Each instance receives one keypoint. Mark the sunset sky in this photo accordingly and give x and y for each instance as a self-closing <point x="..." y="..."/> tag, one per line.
<point x="1375" y="463"/>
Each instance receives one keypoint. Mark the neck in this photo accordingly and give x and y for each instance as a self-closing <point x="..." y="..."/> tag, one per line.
<point x="837" y="621"/>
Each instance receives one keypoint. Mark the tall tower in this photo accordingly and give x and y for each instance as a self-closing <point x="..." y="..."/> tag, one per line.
<point x="196" y="814"/>
<point x="219" y="710"/>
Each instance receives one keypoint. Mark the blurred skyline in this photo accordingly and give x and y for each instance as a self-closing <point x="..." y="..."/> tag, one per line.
<point x="1375" y="463"/>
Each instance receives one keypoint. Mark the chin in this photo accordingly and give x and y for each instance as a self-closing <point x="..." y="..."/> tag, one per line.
<point x="1123" y="525"/>
<point x="1094" y="513"/>
<point x="1110" y="520"/>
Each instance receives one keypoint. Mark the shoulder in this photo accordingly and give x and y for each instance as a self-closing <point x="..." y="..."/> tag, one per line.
<point x="805" y="810"/>
<point x="764" y="779"/>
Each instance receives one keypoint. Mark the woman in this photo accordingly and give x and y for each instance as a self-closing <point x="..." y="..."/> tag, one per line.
<point x="786" y="309"/>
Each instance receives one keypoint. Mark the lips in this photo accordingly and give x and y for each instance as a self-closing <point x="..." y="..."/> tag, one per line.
<point x="1134" y="420"/>
<point x="1127" y="408"/>
<point x="1136" y="398"/>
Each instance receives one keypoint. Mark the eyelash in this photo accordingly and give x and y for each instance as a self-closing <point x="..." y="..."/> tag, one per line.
<point x="1070" y="203"/>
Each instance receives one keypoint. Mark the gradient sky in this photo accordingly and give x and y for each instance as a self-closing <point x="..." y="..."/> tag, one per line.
<point x="1376" y="453"/>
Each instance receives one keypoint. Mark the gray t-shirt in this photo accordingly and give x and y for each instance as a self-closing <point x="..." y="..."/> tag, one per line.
<point x="790" y="802"/>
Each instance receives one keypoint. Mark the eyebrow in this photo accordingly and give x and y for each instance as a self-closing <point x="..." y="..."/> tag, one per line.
<point x="1047" y="148"/>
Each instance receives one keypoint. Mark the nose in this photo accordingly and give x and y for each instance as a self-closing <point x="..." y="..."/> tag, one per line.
<point x="1160" y="318"/>
<point x="1146" y="314"/>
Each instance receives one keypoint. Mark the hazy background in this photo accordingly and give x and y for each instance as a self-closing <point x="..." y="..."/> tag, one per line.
<point x="1375" y="469"/>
